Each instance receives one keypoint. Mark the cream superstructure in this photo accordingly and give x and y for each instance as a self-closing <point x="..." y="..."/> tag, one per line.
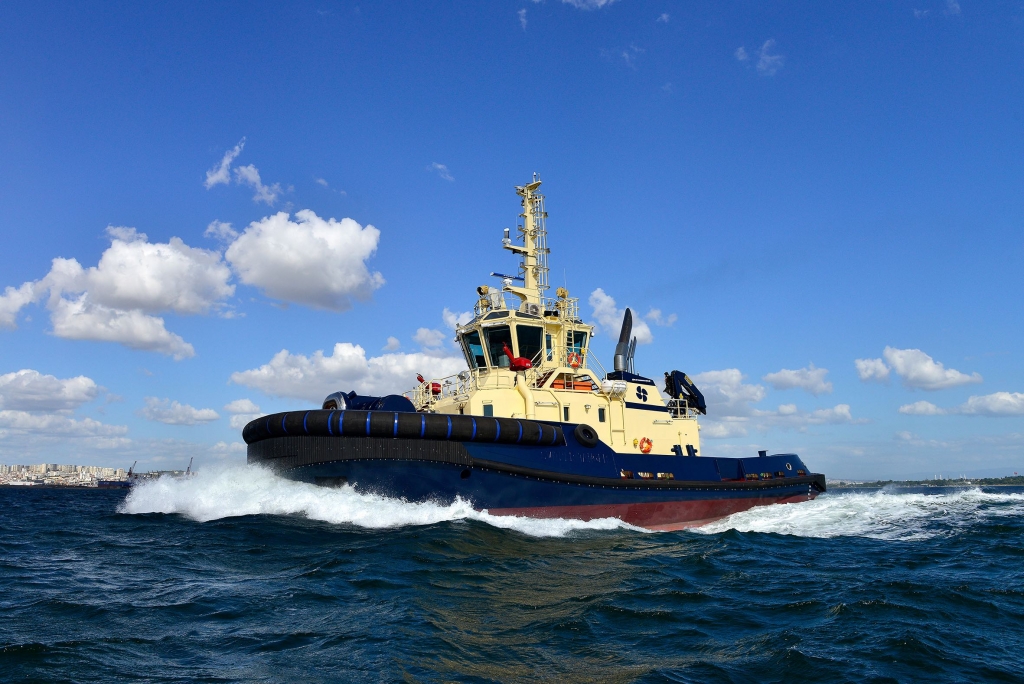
<point x="563" y="382"/>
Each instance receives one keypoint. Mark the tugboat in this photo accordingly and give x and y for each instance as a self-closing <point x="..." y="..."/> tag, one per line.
<point x="534" y="426"/>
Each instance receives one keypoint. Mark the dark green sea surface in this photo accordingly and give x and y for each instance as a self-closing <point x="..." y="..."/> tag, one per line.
<point x="238" y="576"/>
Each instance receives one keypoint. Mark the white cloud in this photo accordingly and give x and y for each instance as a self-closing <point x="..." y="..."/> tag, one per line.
<point x="522" y="17"/>
<point x="454" y="319"/>
<point x="322" y="181"/>
<point x="80" y="319"/>
<point x="741" y="54"/>
<point x="136" y="274"/>
<point x="726" y="393"/>
<point x="997" y="404"/>
<point x="309" y="261"/>
<point x="242" y="406"/>
<point x="654" y="316"/>
<point x="871" y="369"/>
<point x="311" y="378"/>
<point x="393" y="343"/>
<point x="30" y="390"/>
<point x="249" y="175"/>
<point x="220" y="174"/>
<point x="731" y="412"/>
<point x="588" y="4"/>
<point x="921" y="408"/>
<point x="810" y="379"/>
<point x="788" y="415"/>
<point x="663" y="18"/>
<point x="54" y="424"/>
<point x="609" y="317"/>
<point x="174" y="413"/>
<point x="952" y="7"/>
<point x="222" y="449"/>
<point x="441" y="170"/>
<point x="921" y="371"/>
<point x="220" y="230"/>
<point x="242" y="411"/>
<point x="12" y="301"/>
<point x="769" y="64"/>
<point x="428" y="338"/>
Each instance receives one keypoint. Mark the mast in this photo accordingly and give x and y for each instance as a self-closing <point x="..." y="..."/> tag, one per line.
<point x="534" y="251"/>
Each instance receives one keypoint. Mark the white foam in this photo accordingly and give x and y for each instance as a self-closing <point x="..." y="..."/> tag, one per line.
<point x="882" y="514"/>
<point x="250" y="490"/>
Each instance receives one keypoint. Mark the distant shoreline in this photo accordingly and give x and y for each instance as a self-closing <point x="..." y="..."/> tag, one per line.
<point x="1010" y="481"/>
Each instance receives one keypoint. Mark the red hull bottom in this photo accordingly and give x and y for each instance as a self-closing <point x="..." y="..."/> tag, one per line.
<point x="663" y="515"/>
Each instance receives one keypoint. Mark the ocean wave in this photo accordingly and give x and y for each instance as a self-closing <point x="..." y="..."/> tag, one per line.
<point x="235" y="491"/>
<point x="883" y="514"/>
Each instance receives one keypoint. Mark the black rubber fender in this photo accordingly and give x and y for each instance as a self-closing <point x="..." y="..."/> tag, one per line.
<point x="586" y="435"/>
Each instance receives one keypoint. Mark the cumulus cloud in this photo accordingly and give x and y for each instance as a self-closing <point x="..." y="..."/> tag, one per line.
<point x="249" y="175"/>
<point x="221" y="173"/>
<point x="393" y="343"/>
<point x="55" y="424"/>
<point x="917" y="370"/>
<point x="655" y="317"/>
<point x="81" y="319"/>
<point x="997" y="404"/>
<point x="921" y="408"/>
<point x="871" y="369"/>
<point x="174" y="413"/>
<point x="312" y="261"/>
<point x="347" y="368"/>
<point x="731" y="412"/>
<point x="767" y="63"/>
<point x="726" y="393"/>
<point x="810" y="379"/>
<point x="428" y="338"/>
<point x="30" y="390"/>
<point x="441" y="171"/>
<point x="609" y="317"/>
<point x="741" y="54"/>
<point x="242" y="411"/>
<point x="454" y="319"/>
<point x="12" y="301"/>
<point x="134" y="278"/>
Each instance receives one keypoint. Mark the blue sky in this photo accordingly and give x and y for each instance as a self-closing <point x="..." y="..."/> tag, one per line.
<point x="793" y="186"/>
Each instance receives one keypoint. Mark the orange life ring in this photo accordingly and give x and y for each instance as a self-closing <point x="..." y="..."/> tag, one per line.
<point x="575" y="360"/>
<point x="646" y="445"/>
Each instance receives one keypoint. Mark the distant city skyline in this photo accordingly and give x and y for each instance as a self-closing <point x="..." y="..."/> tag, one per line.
<point x="214" y="212"/>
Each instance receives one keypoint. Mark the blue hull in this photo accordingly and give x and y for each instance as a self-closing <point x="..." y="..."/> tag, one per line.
<point x="554" y="476"/>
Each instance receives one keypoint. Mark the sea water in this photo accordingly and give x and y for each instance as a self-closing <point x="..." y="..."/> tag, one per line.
<point x="239" y="575"/>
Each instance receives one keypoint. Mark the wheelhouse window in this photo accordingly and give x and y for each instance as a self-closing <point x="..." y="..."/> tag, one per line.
<point x="498" y="336"/>
<point x="549" y="346"/>
<point x="576" y="341"/>
<point x="473" y="350"/>
<point x="529" y="337"/>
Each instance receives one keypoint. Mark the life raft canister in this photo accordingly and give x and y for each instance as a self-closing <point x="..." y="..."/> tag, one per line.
<point x="575" y="360"/>
<point x="646" y="445"/>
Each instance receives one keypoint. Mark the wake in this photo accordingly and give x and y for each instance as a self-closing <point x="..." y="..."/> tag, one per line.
<point x="235" y="491"/>
<point x="884" y="514"/>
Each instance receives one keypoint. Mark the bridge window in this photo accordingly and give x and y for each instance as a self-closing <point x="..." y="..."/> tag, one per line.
<point x="496" y="337"/>
<point x="549" y="347"/>
<point x="576" y="341"/>
<point x="473" y="349"/>
<point x="529" y="341"/>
